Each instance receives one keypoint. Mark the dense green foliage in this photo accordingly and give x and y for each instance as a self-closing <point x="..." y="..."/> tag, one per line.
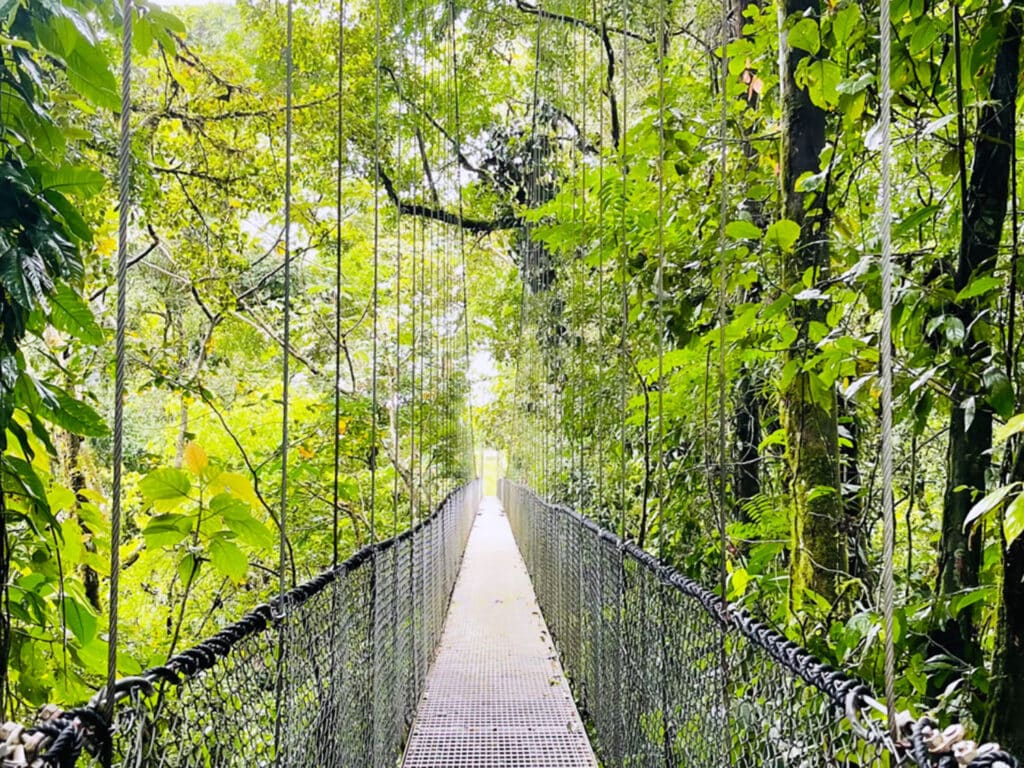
<point x="579" y="147"/>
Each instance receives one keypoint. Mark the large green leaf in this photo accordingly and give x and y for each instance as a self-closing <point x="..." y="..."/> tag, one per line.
<point x="73" y="219"/>
<point x="70" y="314"/>
<point x="845" y="23"/>
<point x="988" y="503"/>
<point x="167" y="530"/>
<point x="228" y="558"/>
<point x="236" y="516"/>
<point x="67" y="35"/>
<point x="166" y="485"/>
<point x="979" y="286"/>
<point x="1013" y="521"/>
<point x="79" y="619"/>
<point x="742" y="230"/>
<point x="73" y="179"/>
<point x="72" y="414"/>
<point x="783" y="234"/>
<point x="805" y="36"/>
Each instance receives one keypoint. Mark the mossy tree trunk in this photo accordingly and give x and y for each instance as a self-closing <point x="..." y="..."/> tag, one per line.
<point x="983" y="228"/>
<point x="970" y="425"/>
<point x="808" y="405"/>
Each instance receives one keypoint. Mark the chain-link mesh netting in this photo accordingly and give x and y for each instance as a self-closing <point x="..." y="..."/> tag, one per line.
<point x="668" y="675"/>
<point x="332" y="683"/>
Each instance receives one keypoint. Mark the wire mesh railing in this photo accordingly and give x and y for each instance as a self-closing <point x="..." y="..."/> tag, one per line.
<point x="668" y="674"/>
<point x="330" y="681"/>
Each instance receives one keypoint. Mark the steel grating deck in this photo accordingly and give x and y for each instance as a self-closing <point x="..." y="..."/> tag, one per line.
<point x="496" y="694"/>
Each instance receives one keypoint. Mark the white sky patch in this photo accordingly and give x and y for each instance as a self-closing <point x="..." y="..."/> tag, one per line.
<point x="483" y="372"/>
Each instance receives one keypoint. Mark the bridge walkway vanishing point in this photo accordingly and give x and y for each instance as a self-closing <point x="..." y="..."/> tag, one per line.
<point x="496" y="694"/>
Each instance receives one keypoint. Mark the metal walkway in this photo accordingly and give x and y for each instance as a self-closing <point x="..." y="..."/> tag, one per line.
<point x="496" y="694"/>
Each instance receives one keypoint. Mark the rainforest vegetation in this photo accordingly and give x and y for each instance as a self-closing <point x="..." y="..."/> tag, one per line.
<point x="542" y="251"/>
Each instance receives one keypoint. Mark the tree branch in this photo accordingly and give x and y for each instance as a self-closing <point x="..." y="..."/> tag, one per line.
<point x="612" y="101"/>
<point x="442" y="215"/>
<point x="463" y="160"/>
<point x="601" y="30"/>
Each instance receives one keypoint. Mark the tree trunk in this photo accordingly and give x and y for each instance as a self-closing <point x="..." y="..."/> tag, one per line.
<point x="992" y="169"/>
<point x="748" y="437"/>
<point x="75" y="477"/>
<point x="818" y="550"/>
<point x="850" y="477"/>
<point x="971" y="438"/>
<point x="747" y="418"/>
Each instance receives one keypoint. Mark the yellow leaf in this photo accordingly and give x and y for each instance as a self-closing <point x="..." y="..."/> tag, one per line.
<point x="195" y="458"/>
<point x="240" y="486"/>
<point x="305" y="453"/>
<point x="105" y="246"/>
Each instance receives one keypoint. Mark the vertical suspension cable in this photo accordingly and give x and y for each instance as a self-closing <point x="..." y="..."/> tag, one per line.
<point x="337" y="283"/>
<point x="528" y="256"/>
<point x="375" y="292"/>
<point x="885" y="342"/>
<point x="124" y="149"/>
<point x="599" y="19"/>
<point x="396" y="388"/>
<point x="462" y="231"/>
<point x="579" y="168"/>
<point x="623" y="269"/>
<point x="723" y="212"/>
<point x="285" y="375"/>
<point x="286" y="339"/>
<point x="660" y="282"/>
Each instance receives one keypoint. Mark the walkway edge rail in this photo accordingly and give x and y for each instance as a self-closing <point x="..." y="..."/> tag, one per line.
<point x="407" y="580"/>
<point x="625" y="626"/>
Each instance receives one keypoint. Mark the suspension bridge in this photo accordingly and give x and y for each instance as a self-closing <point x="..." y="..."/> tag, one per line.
<point x="494" y="632"/>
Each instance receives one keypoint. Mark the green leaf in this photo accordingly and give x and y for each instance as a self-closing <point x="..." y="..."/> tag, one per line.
<point x="954" y="329"/>
<point x="926" y="33"/>
<point x="1013" y="522"/>
<point x="1004" y="432"/>
<point x="228" y="558"/>
<point x="845" y="24"/>
<point x="783" y="234"/>
<point x="28" y="484"/>
<point x="61" y="409"/>
<point x="74" y="179"/>
<point x="979" y="286"/>
<point x="70" y="314"/>
<point x="80" y="620"/>
<point x="76" y="224"/>
<point x="167" y="530"/>
<point x="742" y="230"/>
<point x="912" y="221"/>
<point x="1000" y="393"/>
<point x="236" y="516"/>
<point x="805" y="36"/>
<point x="166" y="485"/>
<point x="168" y="21"/>
<point x="188" y="567"/>
<point x="975" y="595"/>
<point x="988" y="503"/>
<point x="821" y="78"/>
<point x="90" y="75"/>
